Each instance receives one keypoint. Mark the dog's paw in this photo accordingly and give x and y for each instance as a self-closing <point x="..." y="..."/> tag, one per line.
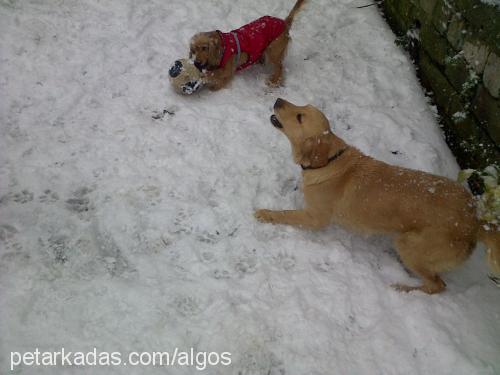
<point x="403" y="288"/>
<point x="264" y="216"/>
<point x="437" y="286"/>
<point x="273" y="83"/>
<point x="214" y="87"/>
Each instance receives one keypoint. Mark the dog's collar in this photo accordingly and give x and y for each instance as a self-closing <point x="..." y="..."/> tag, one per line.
<point x="330" y="159"/>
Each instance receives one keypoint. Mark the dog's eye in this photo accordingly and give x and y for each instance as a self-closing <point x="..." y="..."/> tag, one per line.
<point x="299" y="118"/>
<point x="204" y="48"/>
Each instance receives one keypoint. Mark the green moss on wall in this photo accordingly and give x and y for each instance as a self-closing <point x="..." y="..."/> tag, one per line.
<point x="458" y="40"/>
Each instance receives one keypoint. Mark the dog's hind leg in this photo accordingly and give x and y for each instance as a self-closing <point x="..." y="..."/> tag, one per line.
<point x="424" y="255"/>
<point x="274" y="55"/>
<point x="277" y="77"/>
<point x="432" y="283"/>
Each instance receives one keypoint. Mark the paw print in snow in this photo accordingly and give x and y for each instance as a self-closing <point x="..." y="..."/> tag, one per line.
<point x="247" y="264"/>
<point x="221" y="274"/>
<point x="285" y="261"/>
<point x="187" y="306"/>
<point x="79" y="202"/>
<point x="59" y="247"/>
<point x="22" y="197"/>
<point x="181" y="223"/>
<point x="207" y="237"/>
<point x="152" y="194"/>
<point x="324" y="265"/>
<point x="207" y="257"/>
<point x="8" y="236"/>
<point x="48" y="196"/>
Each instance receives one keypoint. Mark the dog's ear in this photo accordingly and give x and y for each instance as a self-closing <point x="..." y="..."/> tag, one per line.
<point x="315" y="151"/>
<point x="214" y="48"/>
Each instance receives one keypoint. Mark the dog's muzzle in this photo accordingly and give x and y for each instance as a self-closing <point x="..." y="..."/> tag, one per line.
<point x="199" y="65"/>
<point x="276" y="123"/>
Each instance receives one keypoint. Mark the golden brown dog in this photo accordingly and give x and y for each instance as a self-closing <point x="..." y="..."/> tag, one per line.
<point x="431" y="218"/>
<point x="209" y="51"/>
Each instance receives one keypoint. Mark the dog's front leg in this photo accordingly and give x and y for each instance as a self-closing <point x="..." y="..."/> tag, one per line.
<point x="219" y="78"/>
<point x="299" y="218"/>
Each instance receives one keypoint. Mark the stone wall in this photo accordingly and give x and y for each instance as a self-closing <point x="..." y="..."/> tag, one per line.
<point x="456" y="46"/>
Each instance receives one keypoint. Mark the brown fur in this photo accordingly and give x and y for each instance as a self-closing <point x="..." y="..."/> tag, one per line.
<point x="431" y="218"/>
<point x="206" y="48"/>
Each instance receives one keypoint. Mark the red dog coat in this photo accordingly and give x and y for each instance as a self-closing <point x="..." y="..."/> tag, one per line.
<point x="253" y="39"/>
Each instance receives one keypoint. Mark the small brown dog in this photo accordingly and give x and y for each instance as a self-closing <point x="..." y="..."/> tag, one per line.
<point x="220" y="54"/>
<point x="431" y="218"/>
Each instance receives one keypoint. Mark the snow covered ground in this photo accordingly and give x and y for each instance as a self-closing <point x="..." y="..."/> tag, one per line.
<point x="129" y="228"/>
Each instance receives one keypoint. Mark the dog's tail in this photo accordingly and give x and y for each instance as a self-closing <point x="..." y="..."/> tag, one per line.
<point x="293" y="12"/>
<point x="490" y="236"/>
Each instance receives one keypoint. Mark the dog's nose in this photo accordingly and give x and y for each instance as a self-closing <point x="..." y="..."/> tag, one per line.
<point x="279" y="103"/>
<point x="199" y="65"/>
